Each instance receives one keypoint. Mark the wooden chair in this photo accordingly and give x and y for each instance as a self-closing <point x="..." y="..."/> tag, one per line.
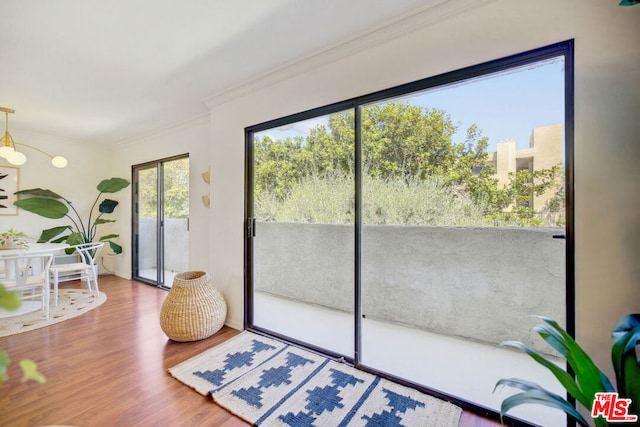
<point x="28" y="274"/>
<point x="84" y="269"/>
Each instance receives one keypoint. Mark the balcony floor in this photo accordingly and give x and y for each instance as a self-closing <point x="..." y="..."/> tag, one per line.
<point x="465" y="369"/>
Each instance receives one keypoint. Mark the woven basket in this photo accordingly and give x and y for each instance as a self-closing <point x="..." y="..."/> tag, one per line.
<point x="193" y="309"/>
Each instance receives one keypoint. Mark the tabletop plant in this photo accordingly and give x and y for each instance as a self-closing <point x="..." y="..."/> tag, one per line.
<point x="591" y="388"/>
<point x="48" y="204"/>
<point x="13" y="238"/>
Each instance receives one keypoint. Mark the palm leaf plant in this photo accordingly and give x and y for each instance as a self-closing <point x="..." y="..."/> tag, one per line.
<point x="48" y="204"/>
<point x="10" y="301"/>
<point x="588" y="379"/>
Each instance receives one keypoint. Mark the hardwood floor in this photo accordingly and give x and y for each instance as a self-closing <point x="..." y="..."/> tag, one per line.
<point x="109" y="367"/>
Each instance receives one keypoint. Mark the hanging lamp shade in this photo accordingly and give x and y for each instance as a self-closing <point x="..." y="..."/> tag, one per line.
<point x="8" y="147"/>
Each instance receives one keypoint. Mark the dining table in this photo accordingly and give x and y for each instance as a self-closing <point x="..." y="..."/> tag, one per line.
<point x="33" y="249"/>
<point x="6" y="270"/>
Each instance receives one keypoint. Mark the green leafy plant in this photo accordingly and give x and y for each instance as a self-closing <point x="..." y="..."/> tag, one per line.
<point x="14" y="238"/>
<point x="589" y="380"/>
<point x="10" y="301"/>
<point x="48" y="204"/>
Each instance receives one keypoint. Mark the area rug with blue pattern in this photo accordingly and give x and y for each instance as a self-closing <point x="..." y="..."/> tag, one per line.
<point x="270" y="383"/>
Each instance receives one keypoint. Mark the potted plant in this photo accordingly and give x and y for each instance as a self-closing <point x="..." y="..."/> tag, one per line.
<point x="48" y="204"/>
<point x="591" y="388"/>
<point x="13" y="239"/>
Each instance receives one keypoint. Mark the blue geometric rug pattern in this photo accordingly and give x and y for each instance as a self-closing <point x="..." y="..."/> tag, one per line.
<point x="269" y="383"/>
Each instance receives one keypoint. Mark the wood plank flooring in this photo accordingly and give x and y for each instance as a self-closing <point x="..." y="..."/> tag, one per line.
<point x="109" y="367"/>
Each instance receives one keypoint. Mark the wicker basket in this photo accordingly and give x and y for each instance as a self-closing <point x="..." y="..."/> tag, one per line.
<point x="193" y="309"/>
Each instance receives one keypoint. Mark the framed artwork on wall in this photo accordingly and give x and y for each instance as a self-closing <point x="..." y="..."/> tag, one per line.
<point x="8" y="186"/>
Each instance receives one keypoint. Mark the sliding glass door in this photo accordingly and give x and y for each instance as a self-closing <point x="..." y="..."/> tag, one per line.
<point x="302" y="233"/>
<point x="161" y="220"/>
<point x="412" y="230"/>
<point x="462" y="233"/>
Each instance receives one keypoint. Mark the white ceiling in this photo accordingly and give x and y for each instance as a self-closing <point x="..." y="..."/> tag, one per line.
<point x="103" y="71"/>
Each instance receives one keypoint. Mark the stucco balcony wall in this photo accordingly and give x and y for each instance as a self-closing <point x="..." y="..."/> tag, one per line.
<point x="476" y="283"/>
<point x="176" y="250"/>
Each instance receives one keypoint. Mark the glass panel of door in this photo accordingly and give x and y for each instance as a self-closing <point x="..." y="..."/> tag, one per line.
<point x="303" y="250"/>
<point x="448" y="272"/>
<point x="161" y="220"/>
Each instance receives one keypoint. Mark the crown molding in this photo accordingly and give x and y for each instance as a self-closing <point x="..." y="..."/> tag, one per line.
<point x="200" y="119"/>
<point x="434" y="12"/>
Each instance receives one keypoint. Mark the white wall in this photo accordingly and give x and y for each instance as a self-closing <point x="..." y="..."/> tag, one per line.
<point x="191" y="137"/>
<point x="607" y="152"/>
<point x="88" y="165"/>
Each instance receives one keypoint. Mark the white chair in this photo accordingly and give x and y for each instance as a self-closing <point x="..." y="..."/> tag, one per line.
<point x="28" y="274"/>
<point x="84" y="269"/>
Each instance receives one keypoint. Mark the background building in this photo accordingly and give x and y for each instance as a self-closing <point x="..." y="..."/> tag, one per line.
<point x="544" y="152"/>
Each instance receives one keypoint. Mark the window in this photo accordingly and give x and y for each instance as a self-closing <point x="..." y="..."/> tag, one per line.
<point x="411" y="230"/>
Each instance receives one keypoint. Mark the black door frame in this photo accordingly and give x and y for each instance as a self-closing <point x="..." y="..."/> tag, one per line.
<point x="159" y="165"/>
<point x="564" y="49"/>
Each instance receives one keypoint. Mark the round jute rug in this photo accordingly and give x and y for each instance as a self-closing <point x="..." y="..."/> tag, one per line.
<point x="71" y="303"/>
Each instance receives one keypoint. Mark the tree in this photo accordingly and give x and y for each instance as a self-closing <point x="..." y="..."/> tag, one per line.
<point x="279" y="165"/>
<point x="400" y="142"/>
<point x="176" y="190"/>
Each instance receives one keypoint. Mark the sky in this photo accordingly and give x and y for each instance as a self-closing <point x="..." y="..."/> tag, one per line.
<point x="505" y="106"/>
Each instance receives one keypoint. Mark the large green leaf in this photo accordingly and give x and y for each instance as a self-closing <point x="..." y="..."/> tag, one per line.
<point x="625" y="325"/>
<point x="73" y="239"/>
<point x="116" y="248"/>
<point x="76" y="238"/>
<point x="103" y="221"/>
<point x="108" y="236"/>
<point x="48" y="208"/>
<point x="30" y="371"/>
<point x="51" y="233"/>
<point x="8" y="300"/>
<point x="60" y="239"/>
<point x="39" y="192"/>
<point x="112" y="185"/>
<point x="4" y="364"/>
<point x="591" y="379"/>
<point x="561" y="375"/>
<point x="535" y="394"/>
<point x="626" y="365"/>
<point x="107" y="206"/>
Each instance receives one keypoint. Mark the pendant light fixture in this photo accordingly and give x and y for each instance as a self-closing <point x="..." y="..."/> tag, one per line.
<point x="8" y="147"/>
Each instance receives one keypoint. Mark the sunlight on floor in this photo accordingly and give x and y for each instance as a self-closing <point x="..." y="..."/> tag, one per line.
<point x="458" y="367"/>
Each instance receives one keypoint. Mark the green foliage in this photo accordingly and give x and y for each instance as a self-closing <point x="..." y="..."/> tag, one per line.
<point x="625" y="361"/>
<point x="401" y="143"/>
<point x="30" y="371"/>
<point x="176" y="190"/>
<point x="510" y="205"/>
<point x="11" y="301"/>
<point x="8" y="300"/>
<point x="330" y="199"/>
<point x="589" y="380"/>
<point x="415" y="201"/>
<point x="48" y="204"/>
<point x="48" y="208"/>
<point x="4" y="364"/>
